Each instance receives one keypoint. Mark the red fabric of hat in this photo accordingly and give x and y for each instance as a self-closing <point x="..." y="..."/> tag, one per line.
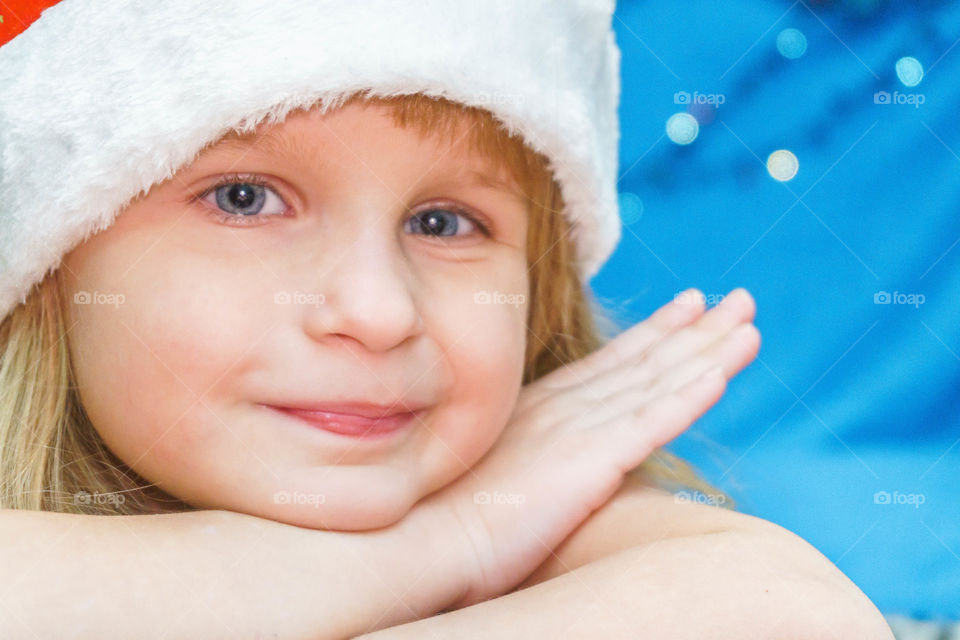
<point x="17" y="15"/>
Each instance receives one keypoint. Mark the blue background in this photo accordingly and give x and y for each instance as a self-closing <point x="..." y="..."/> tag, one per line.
<point x="847" y="397"/>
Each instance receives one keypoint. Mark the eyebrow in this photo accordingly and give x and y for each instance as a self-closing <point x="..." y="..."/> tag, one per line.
<point x="278" y="146"/>
<point x="269" y="143"/>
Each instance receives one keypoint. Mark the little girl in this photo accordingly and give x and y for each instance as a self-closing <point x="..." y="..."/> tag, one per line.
<point x="296" y="293"/>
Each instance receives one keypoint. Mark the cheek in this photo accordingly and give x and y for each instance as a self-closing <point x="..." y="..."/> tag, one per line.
<point x="484" y="344"/>
<point x="494" y="348"/>
<point x="483" y="331"/>
<point x="144" y="365"/>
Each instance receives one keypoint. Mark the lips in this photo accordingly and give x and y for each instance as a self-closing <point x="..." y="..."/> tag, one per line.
<point x="355" y="419"/>
<point x="362" y="409"/>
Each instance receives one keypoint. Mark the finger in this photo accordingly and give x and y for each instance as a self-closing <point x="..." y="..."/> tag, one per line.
<point x="591" y="414"/>
<point x="640" y="432"/>
<point x="736" y="308"/>
<point x="731" y="353"/>
<point x="738" y="304"/>
<point x="686" y="307"/>
<point x="685" y="344"/>
<point x="636" y="372"/>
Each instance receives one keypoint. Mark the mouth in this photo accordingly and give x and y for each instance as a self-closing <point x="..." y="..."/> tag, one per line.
<point x="355" y="420"/>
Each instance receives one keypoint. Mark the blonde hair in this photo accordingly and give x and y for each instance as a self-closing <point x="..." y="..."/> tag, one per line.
<point x="52" y="458"/>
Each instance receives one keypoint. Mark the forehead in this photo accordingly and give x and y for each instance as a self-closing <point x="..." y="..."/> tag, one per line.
<point x="312" y="138"/>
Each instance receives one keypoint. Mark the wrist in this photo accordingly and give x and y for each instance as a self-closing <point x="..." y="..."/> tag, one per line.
<point x="347" y="582"/>
<point x="442" y="545"/>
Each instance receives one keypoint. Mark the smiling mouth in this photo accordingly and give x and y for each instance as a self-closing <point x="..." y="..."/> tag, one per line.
<point x="352" y="424"/>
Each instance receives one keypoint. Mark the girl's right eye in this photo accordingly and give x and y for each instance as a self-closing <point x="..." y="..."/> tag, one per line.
<point x="242" y="199"/>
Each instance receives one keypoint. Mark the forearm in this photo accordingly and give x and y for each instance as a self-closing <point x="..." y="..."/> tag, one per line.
<point x="207" y="574"/>
<point x="729" y="584"/>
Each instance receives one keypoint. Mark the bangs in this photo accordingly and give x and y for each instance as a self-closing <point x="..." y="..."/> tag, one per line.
<point x="483" y="134"/>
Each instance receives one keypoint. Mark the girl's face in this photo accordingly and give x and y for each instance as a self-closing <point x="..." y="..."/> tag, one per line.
<point x="350" y="274"/>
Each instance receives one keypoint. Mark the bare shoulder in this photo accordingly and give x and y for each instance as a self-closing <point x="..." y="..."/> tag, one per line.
<point x="639" y="512"/>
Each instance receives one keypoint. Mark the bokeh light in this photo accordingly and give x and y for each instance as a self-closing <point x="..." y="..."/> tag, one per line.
<point x="782" y="165"/>
<point x="682" y="128"/>
<point x="791" y="43"/>
<point x="631" y="207"/>
<point x="909" y="71"/>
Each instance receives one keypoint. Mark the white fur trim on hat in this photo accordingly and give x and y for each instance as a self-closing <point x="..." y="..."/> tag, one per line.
<point x="98" y="103"/>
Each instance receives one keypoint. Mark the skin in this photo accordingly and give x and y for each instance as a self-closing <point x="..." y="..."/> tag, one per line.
<point x="199" y="341"/>
<point x="645" y="563"/>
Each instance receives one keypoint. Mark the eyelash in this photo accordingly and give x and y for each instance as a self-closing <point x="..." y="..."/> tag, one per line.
<point x="238" y="220"/>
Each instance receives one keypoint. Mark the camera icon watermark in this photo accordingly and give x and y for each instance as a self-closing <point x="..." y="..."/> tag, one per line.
<point x="497" y="98"/>
<point x="885" y="297"/>
<point x="685" y="97"/>
<point x="498" y="297"/>
<point x="885" y="97"/>
<point x="696" y="497"/>
<point x="297" y="498"/>
<point x="709" y="299"/>
<point x="86" y="498"/>
<point x="887" y="498"/>
<point x="498" y="497"/>
<point x="98" y="297"/>
<point x="298" y="297"/>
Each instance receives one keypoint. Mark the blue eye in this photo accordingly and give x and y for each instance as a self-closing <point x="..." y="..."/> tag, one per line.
<point x="443" y="222"/>
<point x="241" y="199"/>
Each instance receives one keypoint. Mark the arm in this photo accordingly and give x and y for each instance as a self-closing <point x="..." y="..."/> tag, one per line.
<point x="645" y="566"/>
<point x="210" y="574"/>
<point x="729" y="584"/>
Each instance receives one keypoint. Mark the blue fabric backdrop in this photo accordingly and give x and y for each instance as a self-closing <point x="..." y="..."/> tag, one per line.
<point x="846" y="429"/>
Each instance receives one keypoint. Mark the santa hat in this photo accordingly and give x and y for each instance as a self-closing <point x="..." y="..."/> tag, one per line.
<point x="100" y="101"/>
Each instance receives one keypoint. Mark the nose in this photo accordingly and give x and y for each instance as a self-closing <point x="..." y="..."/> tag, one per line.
<point x="369" y="296"/>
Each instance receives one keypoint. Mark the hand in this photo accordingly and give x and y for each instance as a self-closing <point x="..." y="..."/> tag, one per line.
<point x="575" y="432"/>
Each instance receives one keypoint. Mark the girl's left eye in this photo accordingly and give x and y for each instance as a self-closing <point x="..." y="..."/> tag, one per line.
<point x="442" y="221"/>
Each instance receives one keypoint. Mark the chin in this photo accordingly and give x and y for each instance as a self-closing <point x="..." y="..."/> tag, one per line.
<point x="333" y="498"/>
<point x="335" y="513"/>
<point x="354" y="519"/>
